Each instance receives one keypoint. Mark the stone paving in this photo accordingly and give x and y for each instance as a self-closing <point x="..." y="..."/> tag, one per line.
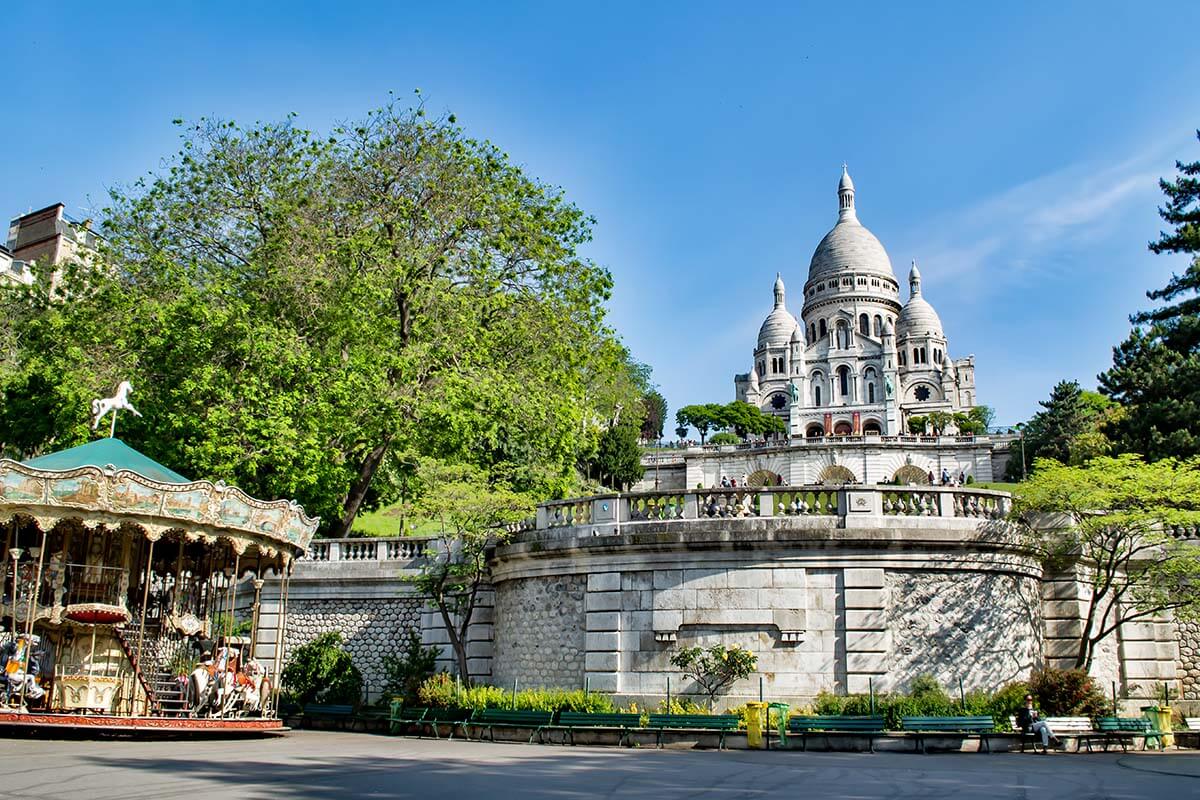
<point x="340" y="766"/>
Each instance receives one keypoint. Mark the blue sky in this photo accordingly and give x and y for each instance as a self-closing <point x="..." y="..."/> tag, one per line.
<point x="1013" y="151"/>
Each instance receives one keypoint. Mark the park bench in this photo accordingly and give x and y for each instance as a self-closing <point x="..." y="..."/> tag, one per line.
<point x="1192" y="723"/>
<point x="1191" y="736"/>
<point x="402" y="716"/>
<point x="1065" y="729"/>
<point x="921" y="728"/>
<point x="339" y="714"/>
<point x="720" y="724"/>
<point x="488" y="719"/>
<point x="572" y="721"/>
<point x="451" y="717"/>
<point x="839" y="726"/>
<point x="1124" y="730"/>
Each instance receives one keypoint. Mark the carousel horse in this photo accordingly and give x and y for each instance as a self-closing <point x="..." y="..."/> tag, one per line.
<point x="202" y="690"/>
<point x="118" y="402"/>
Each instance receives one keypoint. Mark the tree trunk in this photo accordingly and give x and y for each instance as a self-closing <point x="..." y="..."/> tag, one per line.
<point x="457" y="643"/>
<point x="358" y="490"/>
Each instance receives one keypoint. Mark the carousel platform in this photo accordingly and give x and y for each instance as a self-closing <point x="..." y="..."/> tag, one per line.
<point x="56" y="725"/>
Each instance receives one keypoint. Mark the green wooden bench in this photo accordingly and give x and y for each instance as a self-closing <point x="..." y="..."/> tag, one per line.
<point x="833" y="725"/>
<point x="574" y="720"/>
<point x="921" y="728"/>
<point x="451" y="717"/>
<point x="720" y="724"/>
<point x="488" y="719"/>
<point x="325" y="711"/>
<point x="402" y="716"/>
<point x="1124" y="730"/>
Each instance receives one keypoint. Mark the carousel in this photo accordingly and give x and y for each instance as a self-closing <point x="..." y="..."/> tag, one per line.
<point x="132" y="597"/>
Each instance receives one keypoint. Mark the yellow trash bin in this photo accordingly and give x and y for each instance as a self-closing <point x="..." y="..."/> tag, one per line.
<point x="1161" y="717"/>
<point x="755" y="714"/>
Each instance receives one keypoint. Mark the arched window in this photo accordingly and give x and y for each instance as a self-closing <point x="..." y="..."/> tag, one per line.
<point x="816" y="395"/>
<point x="869" y="383"/>
<point x="878" y="325"/>
<point x="812" y="332"/>
<point x="916" y="355"/>
<point x="844" y="381"/>
<point x="821" y="329"/>
<point x="871" y="426"/>
<point x="816" y="429"/>
<point x="864" y="324"/>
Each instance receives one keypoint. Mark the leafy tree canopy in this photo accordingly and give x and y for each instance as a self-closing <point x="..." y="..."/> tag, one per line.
<point x="1071" y="428"/>
<point x="306" y="315"/>
<point x="1130" y="529"/>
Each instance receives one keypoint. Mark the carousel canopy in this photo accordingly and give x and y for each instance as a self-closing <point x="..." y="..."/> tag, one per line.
<point x="107" y="454"/>
<point x="108" y="483"/>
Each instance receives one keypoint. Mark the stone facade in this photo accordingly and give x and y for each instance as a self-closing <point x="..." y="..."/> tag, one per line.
<point x="547" y="648"/>
<point x="371" y="629"/>
<point x="982" y="628"/>
<point x="1188" y="666"/>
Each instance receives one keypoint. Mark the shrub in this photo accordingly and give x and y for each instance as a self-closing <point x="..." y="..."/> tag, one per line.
<point x="441" y="691"/>
<point x="716" y="667"/>
<point x="1067" y="693"/>
<point x="724" y="438"/>
<point x="322" y="672"/>
<point x="405" y="671"/>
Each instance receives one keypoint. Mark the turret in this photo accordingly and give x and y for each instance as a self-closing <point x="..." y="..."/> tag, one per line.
<point x="846" y="196"/>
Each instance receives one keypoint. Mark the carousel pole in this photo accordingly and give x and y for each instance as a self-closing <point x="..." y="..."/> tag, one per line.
<point x="15" y="553"/>
<point x="281" y="630"/>
<point x="254" y="616"/>
<point x="145" y="602"/>
<point x="233" y="582"/>
<point x="178" y="578"/>
<point x="37" y="585"/>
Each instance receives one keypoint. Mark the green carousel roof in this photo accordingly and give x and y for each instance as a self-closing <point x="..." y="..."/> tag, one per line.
<point x="103" y="453"/>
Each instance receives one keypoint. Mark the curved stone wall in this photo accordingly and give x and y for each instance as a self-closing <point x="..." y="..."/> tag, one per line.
<point x="546" y="648"/>
<point x="823" y="607"/>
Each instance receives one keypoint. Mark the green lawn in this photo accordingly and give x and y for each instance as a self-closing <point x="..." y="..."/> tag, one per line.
<point x="386" y="522"/>
<point x="1000" y="487"/>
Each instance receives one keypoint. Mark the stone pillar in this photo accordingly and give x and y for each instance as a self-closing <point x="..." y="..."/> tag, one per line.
<point x="602" y="659"/>
<point x="867" y="637"/>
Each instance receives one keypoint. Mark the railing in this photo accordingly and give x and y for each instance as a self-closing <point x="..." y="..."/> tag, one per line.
<point x="837" y="502"/>
<point x="404" y="548"/>
<point x="805" y="441"/>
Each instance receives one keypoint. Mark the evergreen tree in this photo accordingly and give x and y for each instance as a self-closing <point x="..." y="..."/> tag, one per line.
<point x="656" y="414"/>
<point x="1065" y="415"/>
<point x="1156" y="371"/>
<point x="619" y="456"/>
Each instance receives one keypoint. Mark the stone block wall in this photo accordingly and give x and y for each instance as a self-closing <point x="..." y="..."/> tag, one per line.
<point x="370" y="628"/>
<point x="541" y="642"/>
<point x="984" y="628"/>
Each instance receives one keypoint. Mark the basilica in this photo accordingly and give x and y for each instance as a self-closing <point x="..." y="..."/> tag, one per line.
<point x="858" y="361"/>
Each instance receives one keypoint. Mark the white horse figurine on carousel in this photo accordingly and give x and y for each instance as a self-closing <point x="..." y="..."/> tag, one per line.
<point x="118" y="402"/>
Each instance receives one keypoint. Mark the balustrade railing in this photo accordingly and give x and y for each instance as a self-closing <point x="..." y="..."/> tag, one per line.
<point x="405" y="548"/>
<point x="606" y="511"/>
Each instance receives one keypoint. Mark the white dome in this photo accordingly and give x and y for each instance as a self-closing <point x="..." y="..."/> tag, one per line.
<point x="776" y="330"/>
<point x="918" y="318"/>
<point x="849" y="247"/>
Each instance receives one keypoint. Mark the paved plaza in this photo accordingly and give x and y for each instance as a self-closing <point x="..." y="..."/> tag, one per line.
<point x="338" y="766"/>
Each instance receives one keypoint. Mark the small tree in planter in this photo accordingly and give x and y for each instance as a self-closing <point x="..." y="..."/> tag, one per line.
<point x="715" y="668"/>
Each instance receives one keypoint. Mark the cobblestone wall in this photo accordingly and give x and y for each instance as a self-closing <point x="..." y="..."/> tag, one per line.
<point x="1188" y="667"/>
<point x="540" y="632"/>
<point x="985" y="628"/>
<point x="371" y="629"/>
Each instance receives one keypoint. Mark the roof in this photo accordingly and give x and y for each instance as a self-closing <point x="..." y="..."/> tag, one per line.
<point x="105" y="453"/>
<point x="849" y="248"/>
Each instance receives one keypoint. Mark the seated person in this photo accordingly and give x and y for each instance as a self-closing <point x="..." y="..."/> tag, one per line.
<point x="1028" y="722"/>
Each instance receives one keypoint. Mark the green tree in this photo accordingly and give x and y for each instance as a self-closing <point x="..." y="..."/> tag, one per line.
<point x="715" y="668"/>
<point x="619" y="456"/>
<point x="474" y="515"/>
<point x="975" y="421"/>
<point x="701" y="417"/>
<point x="655" y="406"/>
<point x="725" y="437"/>
<point x="1065" y="415"/>
<point x="404" y="671"/>
<point x="1129" y="531"/>
<point x="300" y="314"/>
<point x="1156" y="371"/>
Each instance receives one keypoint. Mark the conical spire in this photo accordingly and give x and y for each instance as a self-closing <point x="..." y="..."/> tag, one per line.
<point x="846" y="196"/>
<point x="779" y="290"/>
<point x="914" y="280"/>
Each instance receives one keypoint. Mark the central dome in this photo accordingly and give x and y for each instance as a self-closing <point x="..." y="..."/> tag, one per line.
<point x="849" y="247"/>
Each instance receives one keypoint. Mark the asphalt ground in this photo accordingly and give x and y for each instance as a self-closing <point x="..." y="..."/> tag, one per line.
<point x="337" y="766"/>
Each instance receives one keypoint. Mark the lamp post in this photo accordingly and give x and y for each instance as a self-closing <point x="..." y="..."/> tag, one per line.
<point x="1021" y="427"/>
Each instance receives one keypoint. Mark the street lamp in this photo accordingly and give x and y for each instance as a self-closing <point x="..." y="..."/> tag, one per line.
<point x="1021" y="427"/>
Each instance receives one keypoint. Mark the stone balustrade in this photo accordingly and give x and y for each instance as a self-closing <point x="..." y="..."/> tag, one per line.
<point x="837" y="502"/>
<point x="403" y="548"/>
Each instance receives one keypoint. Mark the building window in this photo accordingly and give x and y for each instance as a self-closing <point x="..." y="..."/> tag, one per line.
<point x="878" y="325"/>
<point x="844" y="382"/>
<point x="847" y="282"/>
<point x="821" y="329"/>
<point x="816" y="395"/>
<point x="779" y="401"/>
<point x="864" y="324"/>
<point x="862" y="281"/>
<point x="812" y="332"/>
<point x="921" y="393"/>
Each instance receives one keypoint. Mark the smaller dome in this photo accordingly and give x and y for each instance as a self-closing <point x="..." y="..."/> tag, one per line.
<point x="797" y="336"/>
<point x="776" y="330"/>
<point x="845" y="183"/>
<point x="888" y="330"/>
<point x="918" y="318"/>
